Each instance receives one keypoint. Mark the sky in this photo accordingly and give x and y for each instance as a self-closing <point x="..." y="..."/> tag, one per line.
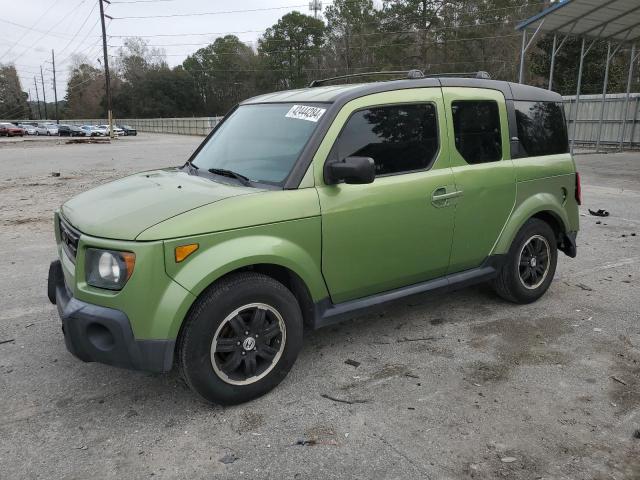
<point x="29" y="29"/>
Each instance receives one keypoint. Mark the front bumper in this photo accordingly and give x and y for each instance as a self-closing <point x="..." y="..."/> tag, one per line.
<point x="94" y="333"/>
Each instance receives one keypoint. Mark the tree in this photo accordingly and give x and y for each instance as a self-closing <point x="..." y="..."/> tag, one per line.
<point x="13" y="101"/>
<point x="353" y="30"/>
<point x="290" y="46"/>
<point x="85" y="92"/>
<point x="224" y="72"/>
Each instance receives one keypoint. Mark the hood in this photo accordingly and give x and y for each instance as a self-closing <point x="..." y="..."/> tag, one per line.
<point x="125" y="208"/>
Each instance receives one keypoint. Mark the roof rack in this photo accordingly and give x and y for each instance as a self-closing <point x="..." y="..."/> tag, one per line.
<point x="411" y="74"/>
<point x="479" y="74"/>
<point x="408" y="74"/>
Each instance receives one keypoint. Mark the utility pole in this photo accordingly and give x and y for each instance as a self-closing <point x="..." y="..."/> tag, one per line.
<point x="315" y="6"/>
<point x="35" y="84"/>
<point x="44" y="95"/>
<point x="106" y="66"/>
<point x="55" y="90"/>
<point x="30" y="106"/>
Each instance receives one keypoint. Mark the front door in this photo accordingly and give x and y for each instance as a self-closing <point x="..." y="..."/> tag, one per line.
<point x="397" y="230"/>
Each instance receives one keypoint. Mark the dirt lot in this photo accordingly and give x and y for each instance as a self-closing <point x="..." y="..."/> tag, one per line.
<point x="462" y="386"/>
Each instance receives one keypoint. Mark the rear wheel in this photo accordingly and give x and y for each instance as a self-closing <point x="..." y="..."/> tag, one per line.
<point x="240" y="339"/>
<point x="531" y="264"/>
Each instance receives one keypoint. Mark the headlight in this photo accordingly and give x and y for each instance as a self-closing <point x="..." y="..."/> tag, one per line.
<point x="108" y="268"/>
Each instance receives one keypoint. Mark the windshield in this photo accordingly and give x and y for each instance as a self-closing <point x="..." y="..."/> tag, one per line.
<point x="261" y="142"/>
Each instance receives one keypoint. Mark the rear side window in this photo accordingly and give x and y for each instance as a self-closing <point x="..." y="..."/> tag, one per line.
<point x="476" y="125"/>
<point x="541" y="128"/>
<point x="399" y="138"/>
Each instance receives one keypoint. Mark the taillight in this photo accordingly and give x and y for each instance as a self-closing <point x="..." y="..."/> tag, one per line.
<point x="578" y="190"/>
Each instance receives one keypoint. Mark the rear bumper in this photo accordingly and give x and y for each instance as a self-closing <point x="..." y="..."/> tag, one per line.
<point x="99" y="334"/>
<point x="568" y="244"/>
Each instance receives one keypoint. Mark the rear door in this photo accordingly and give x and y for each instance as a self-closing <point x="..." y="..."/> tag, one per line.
<point x="395" y="231"/>
<point x="483" y="172"/>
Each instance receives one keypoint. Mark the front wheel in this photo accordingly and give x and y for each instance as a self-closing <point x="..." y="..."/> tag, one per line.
<point x="531" y="264"/>
<point x="240" y="339"/>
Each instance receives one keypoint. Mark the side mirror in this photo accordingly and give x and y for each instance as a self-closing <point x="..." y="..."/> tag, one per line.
<point x="356" y="170"/>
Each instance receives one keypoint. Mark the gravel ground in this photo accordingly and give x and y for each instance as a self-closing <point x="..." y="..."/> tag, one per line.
<point x="461" y="386"/>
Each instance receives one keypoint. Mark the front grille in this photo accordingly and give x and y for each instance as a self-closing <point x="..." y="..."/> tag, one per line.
<point x="69" y="237"/>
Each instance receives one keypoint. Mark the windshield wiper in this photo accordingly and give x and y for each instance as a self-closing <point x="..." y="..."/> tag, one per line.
<point x="230" y="173"/>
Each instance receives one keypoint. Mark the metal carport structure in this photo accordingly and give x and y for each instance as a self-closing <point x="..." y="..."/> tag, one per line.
<point x="615" y="21"/>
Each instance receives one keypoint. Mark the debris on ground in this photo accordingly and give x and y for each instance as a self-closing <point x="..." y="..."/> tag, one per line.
<point x="82" y="447"/>
<point x="597" y="330"/>
<point x="343" y="400"/>
<point x="422" y="339"/>
<point x="599" y="213"/>
<point x="508" y="459"/>
<point x="228" y="458"/>
<point x="353" y="363"/>
<point x="411" y="375"/>
<point x="616" y="379"/>
<point x="305" y="442"/>
<point x="89" y="140"/>
<point x="7" y="341"/>
<point x="584" y="287"/>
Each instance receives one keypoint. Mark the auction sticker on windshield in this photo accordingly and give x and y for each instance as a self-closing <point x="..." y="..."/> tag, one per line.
<point x="304" y="112"/>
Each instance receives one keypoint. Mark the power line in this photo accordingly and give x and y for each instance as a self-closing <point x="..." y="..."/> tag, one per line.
<point x="81" y="43"/>
<point x="220" y="12"/>
<point x="350" y="47"/>
<point x="53" y="4"/>
<point x="79" y="30"/>
<point x="74" y="10"/>
<point x="54" y="34"/>
<point x="354" y="35"/>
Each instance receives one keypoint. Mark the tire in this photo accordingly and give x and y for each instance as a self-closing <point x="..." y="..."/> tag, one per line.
<point x="531" y="264"/>
<point x="221" y="373"/>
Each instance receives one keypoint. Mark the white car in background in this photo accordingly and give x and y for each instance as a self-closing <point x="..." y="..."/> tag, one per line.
<point x="41" y="129"/>
<point x="101" y="130"/>
<point x="52" y="128"/>
<point x="117" y="131"/>
<point x="28" y="128"/>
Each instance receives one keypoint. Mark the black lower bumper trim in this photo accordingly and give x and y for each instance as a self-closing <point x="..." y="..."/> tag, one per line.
<point x="99" y="334"/>
<point x="568" y="244"/>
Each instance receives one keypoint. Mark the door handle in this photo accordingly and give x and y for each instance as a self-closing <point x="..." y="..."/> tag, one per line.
<point x="446" y="196"/>
<point x="440" y="197"/>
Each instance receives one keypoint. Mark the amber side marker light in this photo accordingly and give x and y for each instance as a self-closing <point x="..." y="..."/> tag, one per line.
<point x="183" y="251"/>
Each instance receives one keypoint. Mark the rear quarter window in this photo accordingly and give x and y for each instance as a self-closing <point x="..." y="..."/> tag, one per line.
<point x="542" y="129"/>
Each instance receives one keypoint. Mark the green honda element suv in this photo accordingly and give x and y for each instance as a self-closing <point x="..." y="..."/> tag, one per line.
<point x="305" y="207"/>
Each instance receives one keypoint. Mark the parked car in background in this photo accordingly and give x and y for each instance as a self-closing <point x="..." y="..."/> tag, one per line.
<point x="10" y="130"/>
<point x="88" y="130"/>
<point x="41" y="129"/>
<point x="28" y="128"/>
<point x="101" y="130"/>
<point x="48" y="129"/>
<point x="116" y="130"/>
<point x="70" y="131"/>
<point x="128" y="130"/>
